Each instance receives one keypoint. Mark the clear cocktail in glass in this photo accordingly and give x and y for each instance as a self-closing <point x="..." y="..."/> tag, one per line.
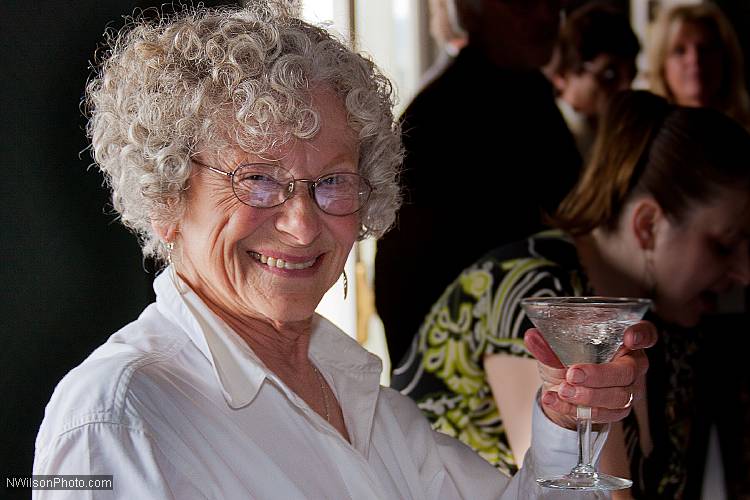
<point x="584" y="330"/>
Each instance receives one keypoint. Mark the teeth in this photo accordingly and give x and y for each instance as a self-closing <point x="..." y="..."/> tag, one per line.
<point x="280" y="263"/>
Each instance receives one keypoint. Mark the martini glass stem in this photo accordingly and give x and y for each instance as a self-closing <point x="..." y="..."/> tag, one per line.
<point x="583" y="423"/>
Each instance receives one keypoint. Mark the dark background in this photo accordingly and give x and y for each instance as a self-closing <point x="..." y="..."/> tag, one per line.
<point x="70" y="274"/>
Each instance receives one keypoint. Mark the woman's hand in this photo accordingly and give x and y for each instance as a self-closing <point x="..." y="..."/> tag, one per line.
<point x="608" y="388"/>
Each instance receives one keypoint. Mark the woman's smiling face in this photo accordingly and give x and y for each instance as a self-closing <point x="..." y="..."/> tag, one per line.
<point x="274" y="263"/>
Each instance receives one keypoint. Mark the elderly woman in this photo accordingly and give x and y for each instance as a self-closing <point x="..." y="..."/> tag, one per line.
<point x="250" y="150"/>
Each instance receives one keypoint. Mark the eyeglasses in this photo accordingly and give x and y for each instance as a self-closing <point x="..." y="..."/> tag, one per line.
<point x="262" y="185"/>
<point x="607" y="76"/>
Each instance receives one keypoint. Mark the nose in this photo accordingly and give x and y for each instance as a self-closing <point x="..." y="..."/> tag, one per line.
<point x="692" y="55"/>
<point x="299" y="218"/>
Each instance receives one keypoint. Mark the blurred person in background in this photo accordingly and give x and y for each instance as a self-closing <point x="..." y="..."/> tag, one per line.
<point x="485" y="150"/>
<point x="695" y="59"/>
<point x="248" y="150"/>
<point x="595" y="56"/>
<point x="661" y="211"/>
<point x="448" y="35"/>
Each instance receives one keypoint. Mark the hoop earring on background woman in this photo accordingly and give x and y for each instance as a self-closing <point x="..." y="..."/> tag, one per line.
<point x="169" y="245"/>
<point x="346" y="285"/>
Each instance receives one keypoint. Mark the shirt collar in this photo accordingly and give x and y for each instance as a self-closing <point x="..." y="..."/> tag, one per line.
<point x="577" y="122"/>
<point x="238" y="371"/>
<point x="351" y="371"/>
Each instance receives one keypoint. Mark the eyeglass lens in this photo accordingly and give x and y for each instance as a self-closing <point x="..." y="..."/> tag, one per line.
<point x="266" y="186"/>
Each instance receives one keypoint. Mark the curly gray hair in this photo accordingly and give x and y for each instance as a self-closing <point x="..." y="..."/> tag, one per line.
<point x="223" y="78"/>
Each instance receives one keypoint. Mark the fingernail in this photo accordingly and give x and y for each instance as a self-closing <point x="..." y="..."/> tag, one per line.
<point x="637" y="337"/>
<point x="576" y="376"/>
<point x="567" y="391"/>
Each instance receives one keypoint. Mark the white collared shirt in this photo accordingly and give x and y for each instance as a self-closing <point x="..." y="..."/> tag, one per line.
<point x="176" y="406"/>
<point x="579" y="126"/>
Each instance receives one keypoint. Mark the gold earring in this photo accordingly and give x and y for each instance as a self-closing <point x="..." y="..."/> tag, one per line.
<point x="346" y="285"/>
<point x="172" y="271"/>
<point x="169" y="245"/>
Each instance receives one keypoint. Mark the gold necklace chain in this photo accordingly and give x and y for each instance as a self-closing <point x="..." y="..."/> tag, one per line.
<point x="323" y="391"/>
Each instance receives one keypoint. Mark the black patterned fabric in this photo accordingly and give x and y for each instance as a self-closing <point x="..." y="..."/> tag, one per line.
<point x="480" y="314"/>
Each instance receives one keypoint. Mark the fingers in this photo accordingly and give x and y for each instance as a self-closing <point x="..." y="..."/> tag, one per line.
<point x="614" y="398"/>
<point x="565" y="412"/>
<point x="608" y="388"/>
<point x="551" y="377"/>
<point x="622" y="371"/>
<point x="629" y="363"/>
<point x="539" y="348"/>
<point x="642" y="335"/>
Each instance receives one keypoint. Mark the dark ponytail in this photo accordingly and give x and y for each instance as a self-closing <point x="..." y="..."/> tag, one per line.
<point x="677" y="155"/>
<point x="619" y="155"/>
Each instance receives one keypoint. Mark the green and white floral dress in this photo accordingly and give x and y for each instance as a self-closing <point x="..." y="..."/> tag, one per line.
<point x="477" y="315"/>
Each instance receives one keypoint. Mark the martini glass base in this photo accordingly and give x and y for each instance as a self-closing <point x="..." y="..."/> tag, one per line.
<point x="596" y="481"/>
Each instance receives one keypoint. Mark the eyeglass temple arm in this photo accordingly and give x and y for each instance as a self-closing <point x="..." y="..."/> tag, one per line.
<point x="213" y="169"/>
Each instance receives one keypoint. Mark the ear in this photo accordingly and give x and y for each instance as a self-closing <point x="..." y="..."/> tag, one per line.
<point x="166" y="232"/>
<point x="560" y="82"/>
<point x="645" y="216"/>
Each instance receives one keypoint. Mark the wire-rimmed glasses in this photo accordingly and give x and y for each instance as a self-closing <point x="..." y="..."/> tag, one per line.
<point x="264" y="185"/>
<point x="609" y="76"/>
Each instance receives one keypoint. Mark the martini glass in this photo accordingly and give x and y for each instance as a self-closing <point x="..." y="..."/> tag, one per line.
<point x="584" y="330"/>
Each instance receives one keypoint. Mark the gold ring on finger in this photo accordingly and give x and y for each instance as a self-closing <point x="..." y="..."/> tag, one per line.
<point x="630" y="401"/>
